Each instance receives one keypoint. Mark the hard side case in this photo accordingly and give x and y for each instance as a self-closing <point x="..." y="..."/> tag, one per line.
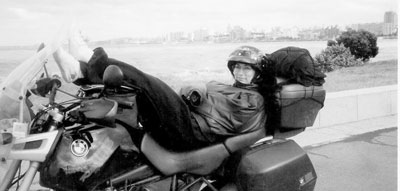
<point x="273" y="165"/>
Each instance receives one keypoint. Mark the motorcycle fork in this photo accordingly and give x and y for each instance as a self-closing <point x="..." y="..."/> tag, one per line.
<point x="9" y="176"/>
<point x="29" y="175"/>
<point x="27" y="179"/>
<point x="19" y="152"/>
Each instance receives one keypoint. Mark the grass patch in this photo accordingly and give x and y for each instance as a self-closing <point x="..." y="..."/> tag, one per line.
<point x="381" y="73"/>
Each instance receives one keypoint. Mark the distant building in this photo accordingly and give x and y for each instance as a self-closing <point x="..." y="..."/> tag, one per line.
<point x="176" y="36"/>
<point x="237" y="33"/>
<point x="200" y="35"/>
<point x="221" y="37"/>
<point x="390" y="23"/>
<point x="389" y="29"/>
<point x="308" y="35"/>
<point x="257" y="35"/>
<point x="275" y="33"/>
<point x="375" y="28"/>
<point x="329" y="33"/>
<point x="390" y="17"/>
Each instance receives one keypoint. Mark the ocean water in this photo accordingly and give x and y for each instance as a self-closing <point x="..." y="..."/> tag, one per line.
<point x="172" y="62"/>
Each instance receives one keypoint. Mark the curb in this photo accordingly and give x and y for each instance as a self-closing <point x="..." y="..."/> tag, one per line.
<point x="351" y="106"/>
<point x="334" y="133"/>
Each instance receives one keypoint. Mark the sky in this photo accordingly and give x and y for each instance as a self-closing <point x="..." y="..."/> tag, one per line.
<point x="27" y="22"/>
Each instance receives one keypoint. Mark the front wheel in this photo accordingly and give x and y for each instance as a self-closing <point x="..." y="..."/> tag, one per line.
<point x="21" y="176"/>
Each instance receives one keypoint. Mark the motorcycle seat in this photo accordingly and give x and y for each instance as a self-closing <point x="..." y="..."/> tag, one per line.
<point x="202" y="161"/>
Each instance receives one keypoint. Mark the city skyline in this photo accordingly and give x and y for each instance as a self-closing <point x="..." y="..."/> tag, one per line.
<point x="26" y="22"/>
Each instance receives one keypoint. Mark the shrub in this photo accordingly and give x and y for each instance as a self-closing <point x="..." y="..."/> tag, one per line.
<point x="362" y="44"/>
<point x="331" y="43"/>
<point x="335" y="57"/>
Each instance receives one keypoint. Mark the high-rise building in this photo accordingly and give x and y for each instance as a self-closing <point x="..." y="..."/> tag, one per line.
<point x="176" y="36"/>
<point x="390" y="17"/>
<point x="390" y="23"/>
<point x="200" y="35"/>
<point x="376" y="28"/>
<point x="237" y="33"/>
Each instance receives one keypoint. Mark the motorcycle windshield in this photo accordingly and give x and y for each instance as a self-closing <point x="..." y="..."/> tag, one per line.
<point x="14" y="88"/>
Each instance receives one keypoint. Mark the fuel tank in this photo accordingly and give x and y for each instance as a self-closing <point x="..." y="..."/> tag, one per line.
<point x="110" y="153"/>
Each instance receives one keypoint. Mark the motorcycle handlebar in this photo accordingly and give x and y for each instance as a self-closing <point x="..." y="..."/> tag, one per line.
<point x="53" y="93"/>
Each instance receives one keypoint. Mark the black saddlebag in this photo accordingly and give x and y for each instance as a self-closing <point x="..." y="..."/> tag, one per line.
<point x="274" y="165"/>
<point x="299" y="105"/>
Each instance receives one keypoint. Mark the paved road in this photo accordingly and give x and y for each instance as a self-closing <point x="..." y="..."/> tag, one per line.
<point x="366" y="162"/>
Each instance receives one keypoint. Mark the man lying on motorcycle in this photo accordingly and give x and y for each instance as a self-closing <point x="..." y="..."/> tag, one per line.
<point x="197" y="116"/>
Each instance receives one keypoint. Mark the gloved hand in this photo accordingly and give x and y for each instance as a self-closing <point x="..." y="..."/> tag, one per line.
<point x="193" y="95"/>
<point x="195" y="98"/>
<point x="44" y="86"/>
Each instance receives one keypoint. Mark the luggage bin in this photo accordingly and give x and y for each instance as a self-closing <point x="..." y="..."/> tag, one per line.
<point x="273" y="165"/>
<point x="299" y="105"/>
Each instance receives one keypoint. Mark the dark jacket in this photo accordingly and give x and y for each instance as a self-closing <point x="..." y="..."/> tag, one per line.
<point x="227" y="110"/>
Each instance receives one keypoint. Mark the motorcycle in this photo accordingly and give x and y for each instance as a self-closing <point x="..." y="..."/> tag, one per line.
<point x="96" y="142"/>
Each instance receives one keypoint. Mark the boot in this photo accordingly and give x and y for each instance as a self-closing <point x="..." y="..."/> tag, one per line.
<point x="69" y="66"/>
<point x="78" y="47"/>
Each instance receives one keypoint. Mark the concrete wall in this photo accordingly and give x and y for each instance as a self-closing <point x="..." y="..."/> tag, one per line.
<point x="355" y="105"/>
<point x="352" y="105"/>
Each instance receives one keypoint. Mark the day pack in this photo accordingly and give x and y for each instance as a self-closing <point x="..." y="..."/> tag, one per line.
<point x="297" y="66"/>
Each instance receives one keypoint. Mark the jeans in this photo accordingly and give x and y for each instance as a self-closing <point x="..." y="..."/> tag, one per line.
<point x="161" y="111"/>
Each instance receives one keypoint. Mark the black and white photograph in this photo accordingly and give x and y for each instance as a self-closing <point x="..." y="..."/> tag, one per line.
<point x="199" y="95"/>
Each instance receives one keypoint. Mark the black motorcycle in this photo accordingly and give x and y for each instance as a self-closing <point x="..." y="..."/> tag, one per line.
<point x="91" y="143"/>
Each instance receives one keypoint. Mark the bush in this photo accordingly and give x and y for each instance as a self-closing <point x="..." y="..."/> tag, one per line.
<point x="331" y="43"/>
<point x="362" y="44"/>
<point x="335" y="57"/>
